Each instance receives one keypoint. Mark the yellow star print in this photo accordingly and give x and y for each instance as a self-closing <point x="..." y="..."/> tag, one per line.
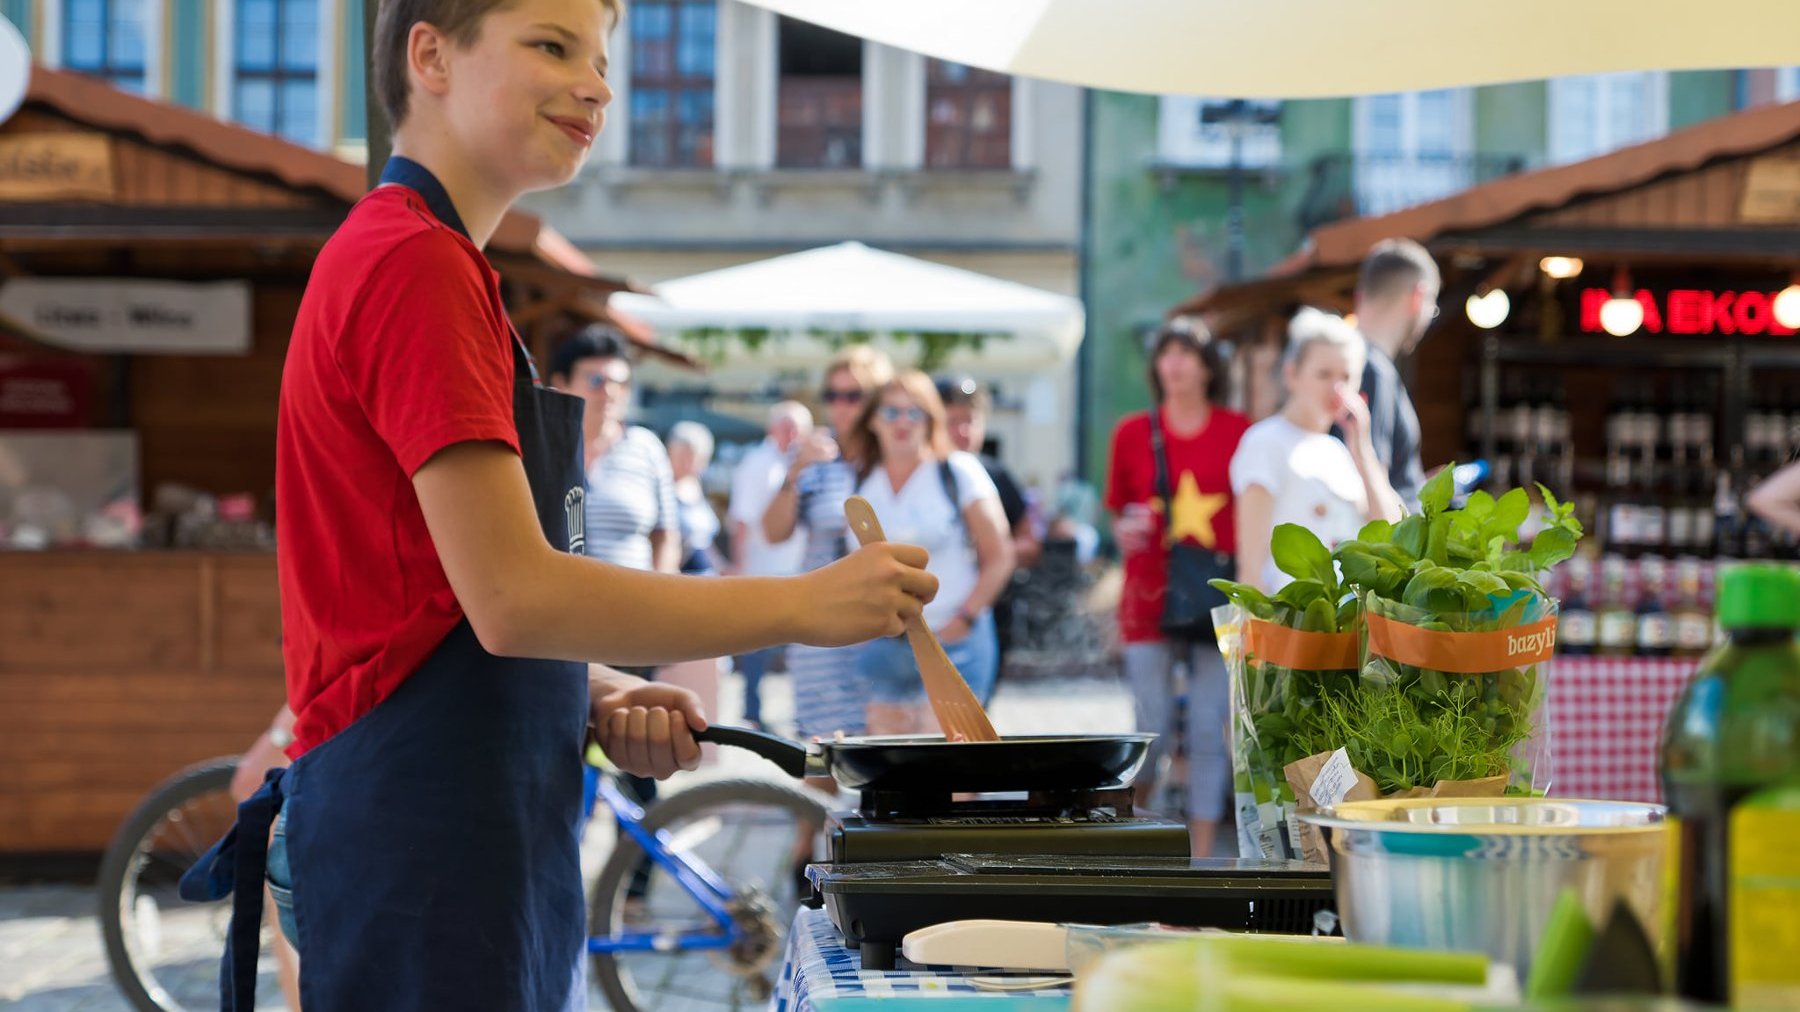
<point x="1194" y="512"/>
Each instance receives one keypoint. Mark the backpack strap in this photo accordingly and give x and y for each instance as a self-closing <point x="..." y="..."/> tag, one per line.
<point x="1160" y="453"/>
<point x="947" y="475"/>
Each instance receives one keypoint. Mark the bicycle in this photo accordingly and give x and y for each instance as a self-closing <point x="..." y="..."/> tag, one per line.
<point x="693" y="897"/>
<point x="672" y="893"/>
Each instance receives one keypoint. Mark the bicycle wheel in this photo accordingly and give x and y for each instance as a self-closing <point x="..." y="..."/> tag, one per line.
<point x="751" y="833"/>
<point x="164" y="952"/>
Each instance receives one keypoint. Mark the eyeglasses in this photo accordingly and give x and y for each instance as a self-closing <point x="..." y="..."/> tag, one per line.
<point x="891" y="414"/>
<point x="830" y="396"/>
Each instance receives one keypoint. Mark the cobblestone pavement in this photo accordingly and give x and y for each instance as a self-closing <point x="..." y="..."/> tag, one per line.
<point x="52" y="960"/>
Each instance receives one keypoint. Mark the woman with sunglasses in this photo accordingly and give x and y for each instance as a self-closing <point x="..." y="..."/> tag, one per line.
<point x="810" y="503"/>
<point x="932" y="495"/>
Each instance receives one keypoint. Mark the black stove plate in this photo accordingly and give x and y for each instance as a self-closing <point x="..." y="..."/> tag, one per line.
<point x="876" y="904"/>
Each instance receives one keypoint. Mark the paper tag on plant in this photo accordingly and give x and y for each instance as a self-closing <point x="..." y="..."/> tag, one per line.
<point x="1334" y="780"/>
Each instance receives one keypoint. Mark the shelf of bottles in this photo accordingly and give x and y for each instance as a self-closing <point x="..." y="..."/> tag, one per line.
<point x="1659" y="457"/>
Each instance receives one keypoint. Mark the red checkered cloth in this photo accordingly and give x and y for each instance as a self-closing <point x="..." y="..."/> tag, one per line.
<point x="1606" y="720"/>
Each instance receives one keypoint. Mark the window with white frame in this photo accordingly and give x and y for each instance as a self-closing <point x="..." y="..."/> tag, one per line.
<point x="275" y="63"/>
<point x="1411" y="147"/>
<point x="819" y="97"/>
<point x="968" y="117"/>
<point x="1200" y="132"/>
<point x="673" y="52"/>
<point x="1597" y="113"/>
<point x="108" y="39"/>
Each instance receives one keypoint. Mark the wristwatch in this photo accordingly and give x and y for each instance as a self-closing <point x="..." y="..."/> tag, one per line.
<point x="280" y="737"/>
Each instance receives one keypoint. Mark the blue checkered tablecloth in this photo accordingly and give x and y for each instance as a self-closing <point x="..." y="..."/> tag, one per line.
<point x="818" y="968"/>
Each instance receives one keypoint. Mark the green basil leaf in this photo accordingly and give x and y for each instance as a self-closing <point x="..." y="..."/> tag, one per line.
<point x="1434" y="498"/>
<point x="1437" y="539"/>
<point x="1479" y="505"/>
<point x="1410" y="535"/>
<point x="1300" y="593"/>
<point x="1300" y="554"/>
<point x="1550" y="502"/>
<point x="1510" y="510"/>
<point x="1551" y="546"/>
<point x="1376" y="532"/>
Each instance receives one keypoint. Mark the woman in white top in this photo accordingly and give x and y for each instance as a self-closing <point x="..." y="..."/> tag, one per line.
<point x="926" y="494"/>
<point x="1289" y="469"/>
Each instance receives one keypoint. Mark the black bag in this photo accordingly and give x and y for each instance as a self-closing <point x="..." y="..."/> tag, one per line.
<point x="1189" y="599"/>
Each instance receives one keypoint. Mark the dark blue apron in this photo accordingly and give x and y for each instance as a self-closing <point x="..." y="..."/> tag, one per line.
<point x="434" y="842"/>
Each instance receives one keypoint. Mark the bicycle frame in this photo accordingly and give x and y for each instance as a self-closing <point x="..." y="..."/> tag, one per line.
<point x="695" y="879"/>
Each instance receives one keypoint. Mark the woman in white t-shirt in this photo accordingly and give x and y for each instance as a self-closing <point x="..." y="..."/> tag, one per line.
<point x="926" y="494"/>
<point x="1289" y="469"/>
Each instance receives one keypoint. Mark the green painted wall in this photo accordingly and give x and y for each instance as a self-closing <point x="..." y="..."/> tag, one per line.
<point x="1157" y="237"/>
<point x="1696" y="95"/>
<point x="19" y="13"/>
<point x="188" y="53"/>
<point x="353" y="64"/>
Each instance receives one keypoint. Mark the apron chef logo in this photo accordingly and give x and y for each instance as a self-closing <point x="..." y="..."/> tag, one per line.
<point x="574" y="508"/>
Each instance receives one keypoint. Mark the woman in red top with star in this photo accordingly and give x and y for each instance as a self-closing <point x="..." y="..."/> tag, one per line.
<point x="1187" y="381"/>
<point x="439" y="618"/>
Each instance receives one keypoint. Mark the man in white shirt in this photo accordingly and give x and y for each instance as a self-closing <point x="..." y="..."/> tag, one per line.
<point x="753" y="484"/>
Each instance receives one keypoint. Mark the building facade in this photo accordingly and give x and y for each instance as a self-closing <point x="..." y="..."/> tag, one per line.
<point x="289" y="67"/>
<point x="1162" y="175"/>
<point x="736" y="135"/>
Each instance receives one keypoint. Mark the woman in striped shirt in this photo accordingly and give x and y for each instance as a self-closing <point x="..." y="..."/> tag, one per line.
<point x="629" y="509"/>
<point x="828" y="697"/>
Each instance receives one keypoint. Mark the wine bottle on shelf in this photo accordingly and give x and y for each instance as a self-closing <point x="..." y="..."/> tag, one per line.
<point x="1692" y="612"/>
<point x="1728" y="535"/>
<point x="1577" y="630"/>
<point x="1617" y="619"/>
<point x="1700" y="506"/>
<point x="1655" y="623"/>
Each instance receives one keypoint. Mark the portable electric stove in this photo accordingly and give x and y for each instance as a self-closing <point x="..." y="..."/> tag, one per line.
<point x="874" y="905"/>
<point x="895" y="826"/>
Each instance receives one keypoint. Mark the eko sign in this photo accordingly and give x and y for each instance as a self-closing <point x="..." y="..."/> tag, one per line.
<point x="1692" y="311"/>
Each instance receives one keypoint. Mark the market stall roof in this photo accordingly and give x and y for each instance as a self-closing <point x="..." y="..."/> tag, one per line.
<point x="95" y="103"/>
<point x="1726" y="188"/>
<point x="851" y="288"/>
<point x="182" y="180"/>
<point x="1312" y="48"/>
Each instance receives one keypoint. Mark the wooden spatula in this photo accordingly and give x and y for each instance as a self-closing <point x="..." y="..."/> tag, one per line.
<point x="959" y="713"/>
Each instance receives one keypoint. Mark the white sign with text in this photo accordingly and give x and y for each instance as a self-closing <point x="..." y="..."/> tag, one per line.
<point x="133" y="316"/>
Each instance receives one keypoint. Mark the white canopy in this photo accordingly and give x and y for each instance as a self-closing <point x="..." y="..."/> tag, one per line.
<point x="1317" y="48"/>
<point x="805" y="298"/>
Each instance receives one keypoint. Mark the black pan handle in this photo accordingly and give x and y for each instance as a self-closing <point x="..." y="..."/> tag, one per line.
<point x="791" y="757"/>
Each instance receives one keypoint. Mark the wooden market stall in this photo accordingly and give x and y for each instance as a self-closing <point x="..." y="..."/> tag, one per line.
<point x="1643" y="361"/>
<point x="169" y="250"/>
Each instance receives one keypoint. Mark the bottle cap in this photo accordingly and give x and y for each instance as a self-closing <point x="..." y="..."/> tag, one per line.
<point x="1759" y="597"/>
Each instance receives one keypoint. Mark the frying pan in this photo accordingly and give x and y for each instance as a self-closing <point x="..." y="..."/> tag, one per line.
<point x="931" y="764"/>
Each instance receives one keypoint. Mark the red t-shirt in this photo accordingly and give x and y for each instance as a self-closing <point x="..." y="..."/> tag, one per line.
<point x="1199" y="482"/>
<point x="400" y="349"/>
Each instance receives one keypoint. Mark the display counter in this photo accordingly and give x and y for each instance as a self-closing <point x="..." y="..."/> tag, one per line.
<point x="117" y="669"/>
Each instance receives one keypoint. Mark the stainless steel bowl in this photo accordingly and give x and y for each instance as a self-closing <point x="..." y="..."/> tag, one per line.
<point x="1482" y="874"/>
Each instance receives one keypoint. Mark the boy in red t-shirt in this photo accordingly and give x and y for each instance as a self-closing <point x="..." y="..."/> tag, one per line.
<point x="438" y="615"/>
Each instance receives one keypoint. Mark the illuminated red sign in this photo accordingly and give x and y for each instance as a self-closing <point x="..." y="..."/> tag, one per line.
<point x="1692" y="311"/>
